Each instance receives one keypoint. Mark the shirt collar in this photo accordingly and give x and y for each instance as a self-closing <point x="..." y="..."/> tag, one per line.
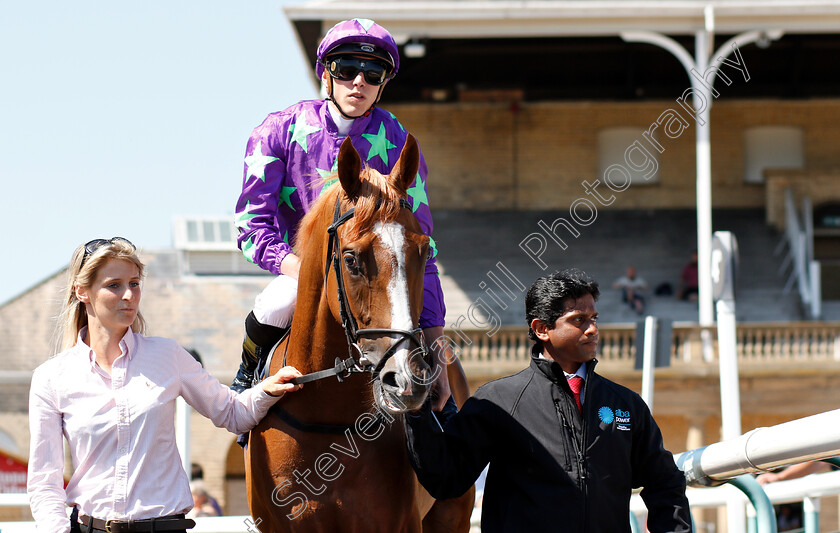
<point x="127" y="345"/>
<point x="551" y="367"/>
<point x="343" y="124"/>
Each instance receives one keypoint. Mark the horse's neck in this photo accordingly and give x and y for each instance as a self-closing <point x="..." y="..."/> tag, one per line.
<point x="316" y="339"/>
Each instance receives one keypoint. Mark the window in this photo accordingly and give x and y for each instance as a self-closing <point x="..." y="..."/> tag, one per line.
<point x="628" y="148"/>
<point x="208" y="247"/>
<point x="771" y="147"/>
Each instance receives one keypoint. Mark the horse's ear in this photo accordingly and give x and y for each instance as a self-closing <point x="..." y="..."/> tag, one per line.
<point x="349" y="167"/>
<point x="405" y="169"/>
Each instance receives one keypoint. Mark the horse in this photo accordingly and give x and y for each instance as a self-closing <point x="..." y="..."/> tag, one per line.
<point x="332" y="456"/>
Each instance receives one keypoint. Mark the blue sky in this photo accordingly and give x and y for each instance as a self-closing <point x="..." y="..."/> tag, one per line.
<point x="117" y="116"/>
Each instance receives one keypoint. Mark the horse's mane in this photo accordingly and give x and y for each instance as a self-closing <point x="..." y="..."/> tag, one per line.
<point x="377" y="200"/>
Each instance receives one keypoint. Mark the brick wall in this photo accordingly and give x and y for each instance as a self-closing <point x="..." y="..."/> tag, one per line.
<point x="535" y="156"/>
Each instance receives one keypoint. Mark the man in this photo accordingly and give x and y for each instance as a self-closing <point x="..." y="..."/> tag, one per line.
<point x="287" y="158"/>
<point x="554" y="466"/>
<point x="631" y="290"/>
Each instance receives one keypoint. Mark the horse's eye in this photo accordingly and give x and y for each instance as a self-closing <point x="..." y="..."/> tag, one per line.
<point x="350" y="263"/>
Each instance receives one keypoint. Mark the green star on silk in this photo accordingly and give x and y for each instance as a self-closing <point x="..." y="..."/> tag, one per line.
<point x="300" y="130"/>
<point x="249" y="250"/>
<point x="393" y="116"/>
<point x="418" y="194"/>
<point x="326" y="174"/>
<point x="286" y="197"/>
<point x="257" y="162"/>
<point x="434" y="247"/>
<point x="241" y="220"/>
<point x="379" y="144"/>
<point x="286" y="237"/>
<point x="327" y="185"/>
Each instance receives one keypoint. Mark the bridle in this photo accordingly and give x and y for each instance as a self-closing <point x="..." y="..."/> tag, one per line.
<point x="344" y="367"/>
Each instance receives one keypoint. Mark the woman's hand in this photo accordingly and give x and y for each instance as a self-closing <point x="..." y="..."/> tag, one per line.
<point x="278" y="384"/>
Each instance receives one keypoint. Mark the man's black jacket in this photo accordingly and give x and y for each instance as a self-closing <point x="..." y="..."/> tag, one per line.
<point x="551" y="468"/>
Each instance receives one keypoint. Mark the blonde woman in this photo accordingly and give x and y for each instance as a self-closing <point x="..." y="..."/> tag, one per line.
<point x="111" y="393"/>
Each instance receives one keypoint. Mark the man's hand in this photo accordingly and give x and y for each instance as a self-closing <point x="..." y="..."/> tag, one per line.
<point x="278" y="384"/>
<point x="440" y="388"/>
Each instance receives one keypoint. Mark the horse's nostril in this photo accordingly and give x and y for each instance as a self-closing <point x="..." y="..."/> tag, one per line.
<point x="396" y="381"/>
<point x="389" y="379"/>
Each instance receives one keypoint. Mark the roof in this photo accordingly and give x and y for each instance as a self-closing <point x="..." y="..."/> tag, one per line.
<point x="487" y="50"/>
<point x="546" y="18"/>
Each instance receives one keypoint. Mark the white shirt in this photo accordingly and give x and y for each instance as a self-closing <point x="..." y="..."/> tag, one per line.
<point x="342" y="123"/>
<point x="121" y="430"/>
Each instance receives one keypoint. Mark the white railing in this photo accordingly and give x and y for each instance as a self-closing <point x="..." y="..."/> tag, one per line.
<point x="813" y="486"/>
<point x="794" y="490"/>
<point x="805" y="271"/>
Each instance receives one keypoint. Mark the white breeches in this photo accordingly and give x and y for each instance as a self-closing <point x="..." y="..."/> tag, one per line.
<point x="275" y="305"/>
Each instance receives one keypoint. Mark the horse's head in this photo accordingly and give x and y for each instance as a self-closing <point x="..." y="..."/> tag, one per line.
<point x="382" y="254"/>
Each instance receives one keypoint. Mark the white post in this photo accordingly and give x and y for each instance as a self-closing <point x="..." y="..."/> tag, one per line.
<point x="703" y="102"/>
<point x="182" y="432"/>
<point x="815" y="277"/>
<point x="647" y="361"/>
<point x="702" y="60"/>
<point x="730" y="396"/>
<point x="811" y="512"/>
<point x="723" y="267"/>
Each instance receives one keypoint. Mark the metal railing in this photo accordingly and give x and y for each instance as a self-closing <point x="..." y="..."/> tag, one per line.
<point x="799" y="240"/>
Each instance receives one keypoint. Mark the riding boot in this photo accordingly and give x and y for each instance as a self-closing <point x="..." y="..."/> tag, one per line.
<point x="259" y="339"/>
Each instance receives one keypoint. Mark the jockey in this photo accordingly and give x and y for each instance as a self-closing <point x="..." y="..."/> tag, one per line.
<point x="286" y="160"/>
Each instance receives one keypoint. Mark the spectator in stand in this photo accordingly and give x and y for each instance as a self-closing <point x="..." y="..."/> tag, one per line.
<point x="197" y="474"/>
<point x="632" y="288"/>
<point x="688" y="280"/>
<point x="201" y="501"/>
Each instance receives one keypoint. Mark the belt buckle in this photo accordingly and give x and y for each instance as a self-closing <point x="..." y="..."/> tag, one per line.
<point x="108" y="526"/>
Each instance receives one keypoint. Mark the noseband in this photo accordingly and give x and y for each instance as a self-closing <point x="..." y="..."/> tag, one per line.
<point x="343" y="368"/>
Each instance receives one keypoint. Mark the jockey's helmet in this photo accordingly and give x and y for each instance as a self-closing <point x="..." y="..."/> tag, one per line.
<point x="361" y="38"/>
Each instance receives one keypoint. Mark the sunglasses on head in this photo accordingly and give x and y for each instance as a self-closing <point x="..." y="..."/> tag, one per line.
<point x="346" y="68"/>
<point x="92" y="246"/>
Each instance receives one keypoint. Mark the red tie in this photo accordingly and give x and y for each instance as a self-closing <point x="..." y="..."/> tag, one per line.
<point x="576" y="384"/>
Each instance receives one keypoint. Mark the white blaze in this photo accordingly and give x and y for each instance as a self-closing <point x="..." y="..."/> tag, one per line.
<point x="392" y="237"/>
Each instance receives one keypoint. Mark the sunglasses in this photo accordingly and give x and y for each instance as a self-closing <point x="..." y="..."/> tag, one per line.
<point x="92" y="246"/>
<point x="347" y="68"/>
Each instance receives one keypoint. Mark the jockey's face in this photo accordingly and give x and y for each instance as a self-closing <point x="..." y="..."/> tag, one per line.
<point x="354" y="96"/>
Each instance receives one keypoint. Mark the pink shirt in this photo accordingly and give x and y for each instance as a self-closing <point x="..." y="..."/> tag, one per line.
<point x="121" y="430"/>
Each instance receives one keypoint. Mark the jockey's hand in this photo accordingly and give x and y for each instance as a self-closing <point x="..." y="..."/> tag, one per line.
<point x="290" y="266"/>
<point x="278" y="384"/>
<point x="440" y="388"/>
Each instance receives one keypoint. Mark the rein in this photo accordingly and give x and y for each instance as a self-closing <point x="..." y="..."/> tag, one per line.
<point x="344" y="367"/>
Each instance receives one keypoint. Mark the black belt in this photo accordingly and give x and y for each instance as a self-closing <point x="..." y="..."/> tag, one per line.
<point x="173" y="522"/>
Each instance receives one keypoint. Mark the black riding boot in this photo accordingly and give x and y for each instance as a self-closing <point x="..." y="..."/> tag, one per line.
<point x="259" y="339"/>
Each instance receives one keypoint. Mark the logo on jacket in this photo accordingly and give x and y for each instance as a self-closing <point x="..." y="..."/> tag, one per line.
<point x="605" y="414"/>
<point x="622" y="420"/>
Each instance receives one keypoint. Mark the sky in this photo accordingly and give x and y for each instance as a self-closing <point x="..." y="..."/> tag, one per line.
<point x="117" y="116"/>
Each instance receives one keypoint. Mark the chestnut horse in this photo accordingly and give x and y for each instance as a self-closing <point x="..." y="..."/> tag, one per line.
<point x="332" y="456"/>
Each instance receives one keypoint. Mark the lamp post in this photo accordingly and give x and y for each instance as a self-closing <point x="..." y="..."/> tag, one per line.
<point x="702" y="70"/>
